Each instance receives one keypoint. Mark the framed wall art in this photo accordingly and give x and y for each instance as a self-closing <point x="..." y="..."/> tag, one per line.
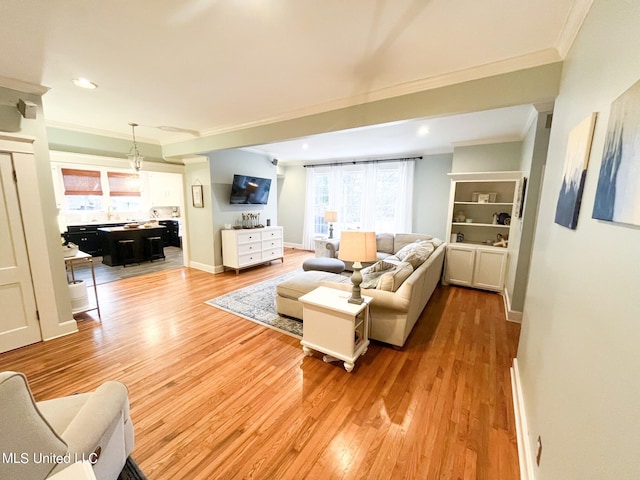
<point x="196" y="196"/>
<point x="575" y="171"/>
<point x="618" y="191"/>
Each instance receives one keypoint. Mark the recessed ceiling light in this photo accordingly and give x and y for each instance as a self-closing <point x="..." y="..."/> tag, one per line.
<point x="423" y="130"/>
<point x="84" y="83"/>
<point x="305" y="146"/>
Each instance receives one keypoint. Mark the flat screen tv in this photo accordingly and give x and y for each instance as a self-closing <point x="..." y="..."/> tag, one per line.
<point x="250" y="190"/>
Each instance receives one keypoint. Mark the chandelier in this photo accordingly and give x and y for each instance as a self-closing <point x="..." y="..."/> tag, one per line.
<point x="135" y="159"/>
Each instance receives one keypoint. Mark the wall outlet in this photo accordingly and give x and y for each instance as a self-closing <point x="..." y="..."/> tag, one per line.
<point x="538" y="450"/>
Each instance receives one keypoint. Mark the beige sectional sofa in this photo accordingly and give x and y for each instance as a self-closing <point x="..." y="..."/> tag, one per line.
<point x="393" y="312"/>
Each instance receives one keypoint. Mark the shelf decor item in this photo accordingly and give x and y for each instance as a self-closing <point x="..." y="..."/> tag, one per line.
<point x="357" y="247"/>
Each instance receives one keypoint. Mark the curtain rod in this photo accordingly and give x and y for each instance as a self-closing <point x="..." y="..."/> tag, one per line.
<point x="353" y="162"/>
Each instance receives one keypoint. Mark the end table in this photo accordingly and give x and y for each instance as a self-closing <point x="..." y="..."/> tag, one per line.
<point x="335" y="327"/>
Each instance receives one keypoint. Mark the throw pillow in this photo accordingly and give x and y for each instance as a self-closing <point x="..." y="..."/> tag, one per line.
<point x="391" y="281"/>
<point x="384" y="242"/>
<point x="372" y="274"/>
<point x="416" y="253"/>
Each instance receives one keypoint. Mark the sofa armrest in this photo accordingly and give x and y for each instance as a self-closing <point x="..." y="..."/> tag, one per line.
<point x="333" y="245"/>
<point x="105" y="407"/>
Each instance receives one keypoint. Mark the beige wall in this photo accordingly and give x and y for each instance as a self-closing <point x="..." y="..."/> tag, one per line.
<point x="578" y="355"/>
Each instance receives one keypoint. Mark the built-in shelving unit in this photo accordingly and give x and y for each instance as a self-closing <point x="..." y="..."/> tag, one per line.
<point x="481" y="207"/>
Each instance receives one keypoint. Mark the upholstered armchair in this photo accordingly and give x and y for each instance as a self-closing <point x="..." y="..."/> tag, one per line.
<point x="39" y="439"/>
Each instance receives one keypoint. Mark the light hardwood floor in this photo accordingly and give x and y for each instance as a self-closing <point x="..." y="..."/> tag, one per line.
<point x="216" y="396"/>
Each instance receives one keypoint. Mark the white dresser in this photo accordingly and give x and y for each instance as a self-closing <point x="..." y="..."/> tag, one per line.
<point x="247" y="247"/>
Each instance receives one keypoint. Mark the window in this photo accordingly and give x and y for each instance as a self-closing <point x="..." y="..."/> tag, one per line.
<point x="374" y="196"/>
<point x="124" y="192"/>
<point x="320" y="202"/>
<point x="82" y="189"/>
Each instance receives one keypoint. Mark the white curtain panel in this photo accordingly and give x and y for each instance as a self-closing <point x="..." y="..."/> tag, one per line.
<point x="370" y="220"/>
<point x="307" y="232"/>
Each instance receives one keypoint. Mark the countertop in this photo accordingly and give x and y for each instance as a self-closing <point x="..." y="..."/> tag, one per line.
<point x="122" y="229"/>
<point x="120" y="222"/>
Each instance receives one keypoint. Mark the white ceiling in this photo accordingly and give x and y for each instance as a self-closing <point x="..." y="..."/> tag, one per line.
<point x="217" y="65"/>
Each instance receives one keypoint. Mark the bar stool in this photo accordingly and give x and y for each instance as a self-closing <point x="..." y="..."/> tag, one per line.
<point x="154" y="248"/>
<point x="126" y="252"/>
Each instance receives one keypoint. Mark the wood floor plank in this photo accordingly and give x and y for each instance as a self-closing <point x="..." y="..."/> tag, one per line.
<point x="214" y="396"/>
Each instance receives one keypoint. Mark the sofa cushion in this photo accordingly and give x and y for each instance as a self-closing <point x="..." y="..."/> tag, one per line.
<point x="391" y="280"/>
<point x="304" y="282"/>
<point x="385" y="242"/>
<point x="416" y="253"/>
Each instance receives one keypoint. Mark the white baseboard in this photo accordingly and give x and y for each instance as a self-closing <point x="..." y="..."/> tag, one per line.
<point x="524" y="446"/>
<point x="206" y="267"/>
<point x="65" y="328"/>
<point x="512" y="315"/>
<point x="297" y="246"/>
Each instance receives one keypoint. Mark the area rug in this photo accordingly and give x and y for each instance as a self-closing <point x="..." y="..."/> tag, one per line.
<point x="131" y="471"/>
<point x="258" y="304"/>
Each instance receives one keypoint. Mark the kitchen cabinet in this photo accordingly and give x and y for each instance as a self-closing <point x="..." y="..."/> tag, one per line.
<point x="86" y="237"/>
<point x="170" y="233"/>
<point x="165" y="189"/>
<point x="476" y="266"/>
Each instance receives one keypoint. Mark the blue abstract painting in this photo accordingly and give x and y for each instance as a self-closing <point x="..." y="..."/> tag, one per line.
<point x="618" y="192"/>
<point x="575" y="171"/>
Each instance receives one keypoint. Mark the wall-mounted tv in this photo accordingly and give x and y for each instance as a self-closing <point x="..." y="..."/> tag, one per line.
<point x="250" y="190"/>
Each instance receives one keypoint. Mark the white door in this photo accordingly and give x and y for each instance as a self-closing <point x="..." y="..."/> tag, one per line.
<point x="19" y="324"/>
<point x="490" y="268"/>
<point x="459" y="265"/>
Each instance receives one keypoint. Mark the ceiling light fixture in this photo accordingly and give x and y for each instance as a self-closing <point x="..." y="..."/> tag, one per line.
<point x="84" y="83"/>
<point x="135" y="159"/>
<point x="423" y="130"/>
<point x="305" y="146"/>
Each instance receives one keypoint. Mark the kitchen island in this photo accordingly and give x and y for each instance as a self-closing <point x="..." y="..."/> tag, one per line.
<point x="110" y="236"/>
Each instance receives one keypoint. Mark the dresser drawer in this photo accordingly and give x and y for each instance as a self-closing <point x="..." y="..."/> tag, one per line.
<point x="272" y="243"/>
<point x="248" y="237"/>
<point x="269" y="234"/>
<point x="245" y="248"/>
<point x="249" y="259"/>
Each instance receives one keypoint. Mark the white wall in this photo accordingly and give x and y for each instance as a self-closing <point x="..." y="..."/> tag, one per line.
<point x="493" y="157"/>
<point x="431" y="194"/>
<point x="224" y="164"/>
<point x="291" y="201"/>
<point x="198" y="239"/>
<point x="579" y="356"/>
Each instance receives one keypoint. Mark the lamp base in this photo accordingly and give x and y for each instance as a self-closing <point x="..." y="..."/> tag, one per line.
<point x="330" y="231"/>
<point x="356" y="279"/>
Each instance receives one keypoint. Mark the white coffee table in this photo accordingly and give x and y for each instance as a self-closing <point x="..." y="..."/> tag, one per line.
<point x="335" y="327"/>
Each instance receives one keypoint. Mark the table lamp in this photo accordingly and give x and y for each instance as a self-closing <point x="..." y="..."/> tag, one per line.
<point x="357" y="247"/>
<point x="330" y="216"/>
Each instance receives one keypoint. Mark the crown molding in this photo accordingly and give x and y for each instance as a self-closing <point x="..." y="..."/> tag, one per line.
<point x="22" y="86"/>
<point x="99" y="132"/>
<point x="572" y="25"/>
<point x="488" y="141"/>
<point x="535" y="59"/>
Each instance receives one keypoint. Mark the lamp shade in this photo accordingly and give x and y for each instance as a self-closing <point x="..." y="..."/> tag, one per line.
<point x="357" y="246"/>
<point x="330" y="216"/>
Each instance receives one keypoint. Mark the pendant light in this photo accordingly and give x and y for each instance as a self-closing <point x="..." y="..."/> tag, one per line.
<point x="135" y="159"/>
